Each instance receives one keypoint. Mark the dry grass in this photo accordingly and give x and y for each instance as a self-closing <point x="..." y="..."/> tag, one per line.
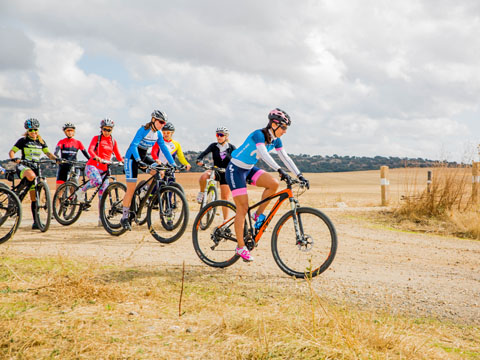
<point x="53" y="308"/>
<point x="445" y="207"/>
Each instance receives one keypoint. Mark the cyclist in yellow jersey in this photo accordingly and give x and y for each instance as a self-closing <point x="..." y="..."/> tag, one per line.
<point x="174" y="147"/>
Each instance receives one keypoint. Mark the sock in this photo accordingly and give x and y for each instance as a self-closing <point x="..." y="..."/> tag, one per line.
<point x="33" y="206"/>
<point x="125" y="212"/>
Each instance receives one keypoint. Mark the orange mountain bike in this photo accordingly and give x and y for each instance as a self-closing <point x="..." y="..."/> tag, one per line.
<point x="304" y="240"/>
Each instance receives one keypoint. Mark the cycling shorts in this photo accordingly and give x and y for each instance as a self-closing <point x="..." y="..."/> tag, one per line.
<point x="238" y="178"/>
<point x="131" y="167"/>
<point x="220" y="177"/>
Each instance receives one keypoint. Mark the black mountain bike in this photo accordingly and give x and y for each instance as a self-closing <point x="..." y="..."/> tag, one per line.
<point x="66" y="207"/>
<point x="43" y="211"/>
<point x="165" y="205"/>
<point x="10" y="213"/>
<point x="304" y="240"/>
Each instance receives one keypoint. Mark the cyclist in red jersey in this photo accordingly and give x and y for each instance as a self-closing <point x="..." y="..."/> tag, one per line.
<point x="68" y="149"/>
<point x="102" y="147"/>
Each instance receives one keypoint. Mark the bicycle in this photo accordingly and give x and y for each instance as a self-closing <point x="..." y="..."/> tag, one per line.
<point x="307" y="229"/>
<point x="66" y="207"/>
<point x="210" y="193"/>
<point x="168" y="200"/>
<point x="10" y="213"/>
<point x="43" y="210"/>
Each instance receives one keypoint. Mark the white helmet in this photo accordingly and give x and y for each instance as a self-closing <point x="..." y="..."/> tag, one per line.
<point x="223" y="129"/>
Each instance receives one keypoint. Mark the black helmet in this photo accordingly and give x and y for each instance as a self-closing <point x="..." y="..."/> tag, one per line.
<point x="31" y="124"/>
<point x="68" y="126"/>
<point x="159" y="115"/>
<point x="168" y="127"/>
<point x="279" y="116"/>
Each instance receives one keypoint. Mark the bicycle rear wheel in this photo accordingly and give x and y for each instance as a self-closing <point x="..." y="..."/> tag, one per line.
<point x="211" y="196"/>
<point x="167" y="214"/>
<point x="215" y="244"/>
<point x="10" y="214"/>
<point x="310" y="254"/>
<point x="111" y="208"/>
<point x="66" y="207"/>
<point x="43" y="213"/>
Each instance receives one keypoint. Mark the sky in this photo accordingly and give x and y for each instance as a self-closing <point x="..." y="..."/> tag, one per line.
<point x="357" y="77"/>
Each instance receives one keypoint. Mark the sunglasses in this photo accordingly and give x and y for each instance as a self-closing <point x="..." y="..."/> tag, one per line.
<point x="107" y="130"/>
<point x="32" y="130"/>
<point x="160" y="121"/>
<point x="283" y="127"/>
<point x="220" y="135"/>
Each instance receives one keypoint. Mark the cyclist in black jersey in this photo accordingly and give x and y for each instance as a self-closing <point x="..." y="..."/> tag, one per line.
<point x="221" y="155"/>
<point x="32" y="146"/>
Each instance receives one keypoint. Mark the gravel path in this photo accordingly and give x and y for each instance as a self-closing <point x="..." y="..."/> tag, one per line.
<point x="398" y="272"/>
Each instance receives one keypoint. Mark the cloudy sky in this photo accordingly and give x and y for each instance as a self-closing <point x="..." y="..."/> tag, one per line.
<point x="363" y="78"/>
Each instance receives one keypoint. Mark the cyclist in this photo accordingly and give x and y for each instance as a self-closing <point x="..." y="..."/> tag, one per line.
<point x="102" y="147"/>
<point x="68" y="149"/>
<point x="221" y="155"/>
<point x="242" y="170"/>
<point x="32" y="146"/>
<point x="137" y="157"/>
<point x="173" y="146"/>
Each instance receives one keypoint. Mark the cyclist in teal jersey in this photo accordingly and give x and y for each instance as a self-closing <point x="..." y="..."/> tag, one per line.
<point x="32" y="147"/>
<point x="242" y="170"/>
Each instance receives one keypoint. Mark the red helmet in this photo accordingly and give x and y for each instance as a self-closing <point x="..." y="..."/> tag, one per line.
<point x="279" y="116"/>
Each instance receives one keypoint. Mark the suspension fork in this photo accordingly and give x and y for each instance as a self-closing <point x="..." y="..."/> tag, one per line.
<point x="297" y="221"/>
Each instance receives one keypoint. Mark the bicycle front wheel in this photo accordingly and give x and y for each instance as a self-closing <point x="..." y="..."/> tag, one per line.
<point x="111" y="208"/>
<point x="66" y="208"/>
<point x="311" y="251"/>
<point x="10" y="214"/>
<point x="211" y="196"/>
<point x="138" y="196"/>
<point x="215" y="244"/>
<point x="167" y="214"/>
<point x="43" y="213"/>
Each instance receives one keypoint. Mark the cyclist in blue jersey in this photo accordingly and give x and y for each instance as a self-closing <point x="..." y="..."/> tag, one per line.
<point x="137" y="157"/>
<point x="242" y="170"/>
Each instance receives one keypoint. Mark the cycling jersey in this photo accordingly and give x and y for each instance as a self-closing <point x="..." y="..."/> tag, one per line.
<point x="144" y="139"/>
<point x="221" y="154"/>
<point x="31" y="149"/>
<point x="255" y="148"/>
<point x="69" y="148"/>
<point x="175" y="149"/>
<point x="104" y="151"/>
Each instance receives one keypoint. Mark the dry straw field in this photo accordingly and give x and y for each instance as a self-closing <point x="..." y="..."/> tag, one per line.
<point x="400" y="287"/>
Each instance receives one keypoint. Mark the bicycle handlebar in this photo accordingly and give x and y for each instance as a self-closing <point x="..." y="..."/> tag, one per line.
<point x="213" y="167"/>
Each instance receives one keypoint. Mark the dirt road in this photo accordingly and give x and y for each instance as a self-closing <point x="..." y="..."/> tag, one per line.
<point x="397" y="272"/>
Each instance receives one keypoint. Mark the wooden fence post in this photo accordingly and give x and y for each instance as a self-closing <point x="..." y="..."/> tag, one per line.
<point x="429" y="180"/>
<point x="384" y="184"/>
<point x="475" y="181"/>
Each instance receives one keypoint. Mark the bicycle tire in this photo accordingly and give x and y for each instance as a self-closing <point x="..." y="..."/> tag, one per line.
<point x="215" y="245"/>
<point x="212" y="195"/>
<point x="43" y="211"/>
<point x="111" y="208"/>
<point x="320" y="244"/>
<point x="178" y="215"/>
<point x="66" y="208"/>
<point x="10" y="214"/>
<point x="137" y="198"/>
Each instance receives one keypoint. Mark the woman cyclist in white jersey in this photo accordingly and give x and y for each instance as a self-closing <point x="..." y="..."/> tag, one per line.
<point x="242" y="170"/>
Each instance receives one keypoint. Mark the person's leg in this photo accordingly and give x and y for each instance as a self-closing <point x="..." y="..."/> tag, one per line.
<point x="131" y="174"/>
<point x="202" y="182"/>
<point x="270" y="184"/>
<point x="30" y="175"/>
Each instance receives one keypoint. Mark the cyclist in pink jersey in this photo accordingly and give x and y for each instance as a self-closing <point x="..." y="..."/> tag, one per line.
<point x="102" y="147"/>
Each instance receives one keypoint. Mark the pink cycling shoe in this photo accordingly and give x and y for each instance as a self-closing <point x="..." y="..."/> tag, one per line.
<point x="244" y="254"/>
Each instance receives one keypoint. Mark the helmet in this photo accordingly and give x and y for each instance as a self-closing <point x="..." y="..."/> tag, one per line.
<point x="68" y="126"/>
<point x="107" y="122"/>
<point x="223" y="129"/>
<point x="160" y="115"/>
<point x="279" y="116"/>
<point x="168" y="127"/>
<point x="31" y="124"/>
